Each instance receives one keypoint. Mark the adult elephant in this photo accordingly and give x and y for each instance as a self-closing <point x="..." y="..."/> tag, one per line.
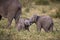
<point x="10" y="9"/>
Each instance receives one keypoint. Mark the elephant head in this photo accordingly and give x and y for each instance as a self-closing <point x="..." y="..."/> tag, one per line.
<point x="27" y="22"/>
<point x="34" y="18"/>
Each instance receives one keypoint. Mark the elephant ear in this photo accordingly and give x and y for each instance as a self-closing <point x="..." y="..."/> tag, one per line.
<point x="36" y="17"/>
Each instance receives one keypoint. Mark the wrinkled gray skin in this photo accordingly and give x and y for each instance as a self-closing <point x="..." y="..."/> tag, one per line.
<point x="10" y="9"/>
<point x="23" y="24"/>
<point x="44" y="22"/>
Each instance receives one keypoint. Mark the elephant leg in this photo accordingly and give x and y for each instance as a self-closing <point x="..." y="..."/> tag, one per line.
<point x="19" y="28"/>
<point x="27" y="28"/>
<point x="51" y="28"/>
<point x="10" y="16"/>
<point x="9" y="22"/>
<point x="46" y="29"/>
<point x="38" y="27"/>
<point x="17" y="16"/>
<point x="45" y="26"/>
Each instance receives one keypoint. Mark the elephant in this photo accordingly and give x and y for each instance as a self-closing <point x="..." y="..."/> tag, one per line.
<point x="10" y="9"/>
<point x="45" y="22"/>
<point x="23" y="24"/>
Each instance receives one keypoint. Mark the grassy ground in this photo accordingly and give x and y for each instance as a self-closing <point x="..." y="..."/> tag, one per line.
<point x="13" y="34"/>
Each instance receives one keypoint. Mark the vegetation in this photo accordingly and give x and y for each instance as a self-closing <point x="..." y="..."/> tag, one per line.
<point x="29" y="8"/>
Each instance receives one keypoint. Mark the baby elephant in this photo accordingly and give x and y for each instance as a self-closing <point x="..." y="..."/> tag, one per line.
<point x="23" y="24"/>
<point x="44" y="22"/>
